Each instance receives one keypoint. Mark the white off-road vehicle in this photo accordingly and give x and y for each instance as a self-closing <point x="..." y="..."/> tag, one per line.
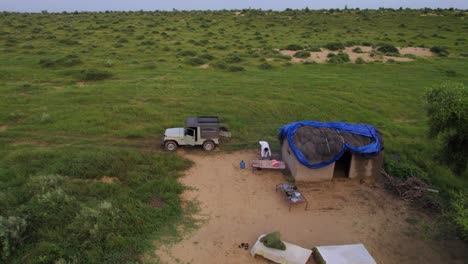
<point x="198" y="131"/>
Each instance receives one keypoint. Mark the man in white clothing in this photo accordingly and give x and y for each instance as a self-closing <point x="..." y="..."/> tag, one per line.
<point x="265" y="151"/>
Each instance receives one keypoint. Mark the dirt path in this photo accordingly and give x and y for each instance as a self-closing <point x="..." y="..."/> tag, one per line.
<point x="241" y="205"/>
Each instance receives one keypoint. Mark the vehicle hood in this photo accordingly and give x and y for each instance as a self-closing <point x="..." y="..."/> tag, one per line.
<point x="176" y="132"/>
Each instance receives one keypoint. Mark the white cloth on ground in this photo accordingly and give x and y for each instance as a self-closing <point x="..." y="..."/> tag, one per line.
<point x="346" y="254"/>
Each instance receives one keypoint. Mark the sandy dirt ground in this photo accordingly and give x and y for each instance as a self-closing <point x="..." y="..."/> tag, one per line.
<point x="239" y="205"/>
<point x="321" y="56"/>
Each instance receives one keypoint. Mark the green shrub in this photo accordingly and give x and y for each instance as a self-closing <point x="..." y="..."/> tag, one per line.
<point x="70" y="219"/>
<point x="235" y="68"/>
<point x="69" y="42"/>
<point x="360" y="60"/>
<point x="302" y="54"/>
<point x="447" y="108"/>
<point x="439" y="50"/>
<point x="233" y="58"/>
<point x="411" y="56"/>
<point x="403" y="168"/>
<point x="358" y="50"/>
<point x="148" y="42"/>
<point x="388" y="49"/>
<point x="265" y="66"/>
<point x="93" y="75"/>
<point x="190" y="53"/>
<point x="195" y="61"/>
<point x="450" y="73"/>
<point x="207" y="57"/>
<point x="339" y="58"/>
<point x="12" y="235"/>
<point x="314" y="49"/>
<point x="335" y="46"/>
<point x="459" y="212"/>
<point x="220" y="65"/>
<point x="293" y="47"/>
<point x="67" y="61"/>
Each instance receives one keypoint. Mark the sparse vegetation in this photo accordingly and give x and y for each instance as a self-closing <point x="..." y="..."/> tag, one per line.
<point x="335" y="46"/>
<point x="359" y="60"/>
<point x="339" y="58"/>
<point x="302" y="54"/>
<point x="388" y="49"/>
<point x="441" y="51"/>
<point x="93" y="75"/>
<point x="87" y="95"/>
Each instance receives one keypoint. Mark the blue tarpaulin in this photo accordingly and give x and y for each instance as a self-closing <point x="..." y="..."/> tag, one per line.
<point x="373" y="148"/>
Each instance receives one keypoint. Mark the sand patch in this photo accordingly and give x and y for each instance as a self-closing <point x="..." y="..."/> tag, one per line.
<point x="3" y="128"/>
<point x="242" y="204"/>
<point x="205" y="66"/>
<point x="420" y="52"/>
<point x="366" y="54"/>
<point x="108" y="179"/>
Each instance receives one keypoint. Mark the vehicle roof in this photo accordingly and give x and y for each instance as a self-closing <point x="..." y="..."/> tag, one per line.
<point x="202" y="121"/>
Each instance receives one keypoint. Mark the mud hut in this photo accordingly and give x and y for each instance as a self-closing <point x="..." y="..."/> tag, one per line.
<point x="316" y="151"/>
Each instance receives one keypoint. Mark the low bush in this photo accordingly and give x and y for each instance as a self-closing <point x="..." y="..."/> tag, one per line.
<point x="235" y="68"/>
<point x="360" y="60"/>
<point x="459" y="212"/>
<point x="187" y="53"/>
<point x="69" y="42"/>
<point x="358" y="50"/>
<point x="339" y="58"/>
<point x="265" y="66"/>
<point x="93" y="75"/>
<point x="388" y="49"/>
<point x="12" y="235"/>
<point x="403" y="168"/>
<point x="49" y="218"/>
<point x="233" y="58"/>
<point x="195" y="61"/>
<point x="439" y="50"/>
<point x="450" y="73"/>
<point x="207" y="57"/>
<point x="67" y="61"/>
<point x="314" y="49"/>
<point x="302" y="54"/>
<point x="293" y="47"/>
<point x="335" y="46"/>
<point x="220" y="65"/>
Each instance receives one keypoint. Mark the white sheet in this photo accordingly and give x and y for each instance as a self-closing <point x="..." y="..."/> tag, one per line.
<point x="292" y="255"/>
<point x="346" y="254"/>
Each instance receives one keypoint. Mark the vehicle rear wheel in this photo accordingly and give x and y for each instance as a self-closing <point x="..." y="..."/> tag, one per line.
<point x="208" y="145"/>
<point x="170" y="146"/>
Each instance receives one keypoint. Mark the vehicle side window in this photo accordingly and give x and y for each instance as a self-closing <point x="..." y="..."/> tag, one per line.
<point x="190" y="132"/>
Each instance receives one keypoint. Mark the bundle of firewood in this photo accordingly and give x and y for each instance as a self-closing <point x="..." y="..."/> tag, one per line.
<point x="408" y="189"/>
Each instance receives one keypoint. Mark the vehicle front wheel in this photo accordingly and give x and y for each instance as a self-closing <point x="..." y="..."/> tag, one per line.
<point x="170" y="146"/>
<point x="208" y="145"/>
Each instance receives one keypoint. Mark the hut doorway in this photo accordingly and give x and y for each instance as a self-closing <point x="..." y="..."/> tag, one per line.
<point x="342" y="166"/>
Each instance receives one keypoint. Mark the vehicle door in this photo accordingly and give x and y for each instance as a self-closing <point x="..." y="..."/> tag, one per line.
<point x="189" y="136"/>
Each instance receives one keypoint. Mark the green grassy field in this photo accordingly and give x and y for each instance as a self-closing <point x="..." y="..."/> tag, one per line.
<point x="88" y="95"/>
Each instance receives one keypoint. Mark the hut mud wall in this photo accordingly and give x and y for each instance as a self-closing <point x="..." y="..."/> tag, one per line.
<point x="366" y="167"/>
<point x="360" y="167"/>
<point x="303" y="173"/>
